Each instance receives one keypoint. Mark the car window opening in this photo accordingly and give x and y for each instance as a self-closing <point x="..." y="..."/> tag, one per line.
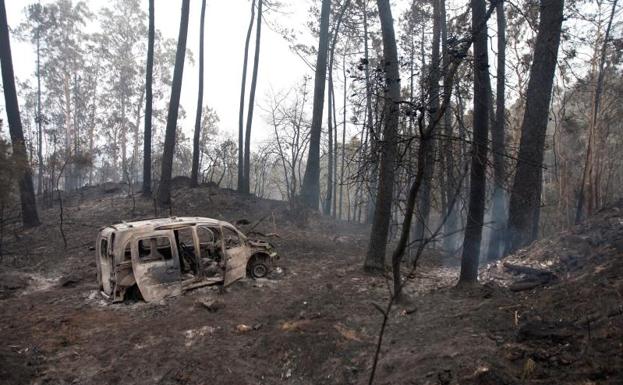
<point x="232" y="239"/>
<point x="104" y="248"/>
<point x="154" y="249"/>
<point x="189" y="261"/>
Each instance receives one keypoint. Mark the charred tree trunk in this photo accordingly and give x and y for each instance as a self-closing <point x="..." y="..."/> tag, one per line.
<point x="498" y="211"/>
<point x="369" y="121"/>
<point x="426" y="135"/>
<point x="375" y="257"/>
<point x="451" y="212"/>
<point x="525" y="199"/>
<point x="247" y="135"/>
<point x="423" y="206"/>
<point x="30" y="217"/>
<point x="194" y="174"/>
<point x="343" y="160"/>
<point x="335" y="152"/>
<point x="242" y="96"/>
<point x="398" y="253"/>
<point x="164" y="189"/>
<point x="328" y="202"/>
<point x="148" y="103"/>
<point x="475" y="214"/>
<point x="310" y="191"/>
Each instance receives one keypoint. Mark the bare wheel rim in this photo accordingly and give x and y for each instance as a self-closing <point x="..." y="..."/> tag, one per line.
<point x="259" y="270"/>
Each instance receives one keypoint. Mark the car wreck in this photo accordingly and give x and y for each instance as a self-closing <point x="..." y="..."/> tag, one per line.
<point x="166" y="257"/>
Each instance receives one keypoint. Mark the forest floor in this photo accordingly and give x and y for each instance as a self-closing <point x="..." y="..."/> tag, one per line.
<point x="314" y="322"/>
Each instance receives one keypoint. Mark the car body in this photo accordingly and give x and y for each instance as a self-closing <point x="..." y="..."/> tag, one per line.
<point x="165" y="257"/>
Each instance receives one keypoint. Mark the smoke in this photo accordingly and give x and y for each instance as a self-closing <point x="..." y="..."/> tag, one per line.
<point x="494" y="232"/>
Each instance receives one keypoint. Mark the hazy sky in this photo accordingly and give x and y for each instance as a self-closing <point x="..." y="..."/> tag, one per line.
<point x="226" y="26"/>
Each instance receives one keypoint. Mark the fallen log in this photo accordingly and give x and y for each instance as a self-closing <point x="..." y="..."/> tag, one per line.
<point x="519" y="269"/>
<point x="534" y="277"/>
<point x="525" y="285"/>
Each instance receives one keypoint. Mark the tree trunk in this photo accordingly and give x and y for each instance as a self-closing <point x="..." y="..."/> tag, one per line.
<point x="588" y="183"/>
<point x="247" y="135"/>
<point x="450" y="227"/>
<point x="525" y="196"/>
<point x="375" y="257"/>
<point x="498" y="211"/>
<point x="135" y="148"/>
<point x="423" y="207"/>
<point x="310" y="190"/>
<point x="369" y="120"/>
<point x="335" y="142"/>
<point x="124" y="139"/>
<point x="475" y="215"/>
<point x="329" y="197"/>
<point x="242" y="96"/>
<point x="30" y="218"/>
<point x="164" y="189"/>
<point x="332" y="128"/>
<point x="92" y="118"/>
<point x="398" y="253"/>
<point x="426" y="135"/>
<point x="148" y="104"/>
<point x="343" y="161"/>
<point x="68" y="129"/>
<point x="39" y="114"/>
<point x="194" y="174"/>
<point x="77" y="150"/>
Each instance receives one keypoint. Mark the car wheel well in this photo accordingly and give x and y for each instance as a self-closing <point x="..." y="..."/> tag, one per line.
<point x="258" y="265"/>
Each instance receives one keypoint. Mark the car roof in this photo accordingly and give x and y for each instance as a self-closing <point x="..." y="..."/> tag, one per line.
<point x="157" y="223"/>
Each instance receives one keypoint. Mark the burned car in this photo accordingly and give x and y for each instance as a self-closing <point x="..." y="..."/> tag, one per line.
<point x="165" y="257"/>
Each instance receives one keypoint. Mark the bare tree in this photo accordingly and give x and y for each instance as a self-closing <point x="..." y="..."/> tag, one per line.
<point x="525" y="199"/>
<point x="424" y="199"/>
<point x="375" y="257"/>
<point x="588" y="186"/>
<point x="343" y="160"/>
<point x="332" y="129"/>
<point x="164" y="189"/>
<point x="310" y="192"/>
<point x="194" y="174"/>
<point x="291" y="134"/>
<point x="247" y="135"/>
<point x="448" y="148"/>
<point x="242" y="96"/>
<point x="369" y="115"/>
<point x="497" y="138"/>
<point x="476" y="211"/>
<point x="148" y="103"/>
<point x="30" y="217"/>
<point x="36" y="12"/>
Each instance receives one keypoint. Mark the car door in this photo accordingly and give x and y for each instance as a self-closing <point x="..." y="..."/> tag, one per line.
<point x="236" y="254"/>
<point x="104" y="264"/>
<point x="156" y="265"/>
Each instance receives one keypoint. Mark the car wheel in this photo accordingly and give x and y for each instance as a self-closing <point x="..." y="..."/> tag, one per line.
<point x="258" y="268"/>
